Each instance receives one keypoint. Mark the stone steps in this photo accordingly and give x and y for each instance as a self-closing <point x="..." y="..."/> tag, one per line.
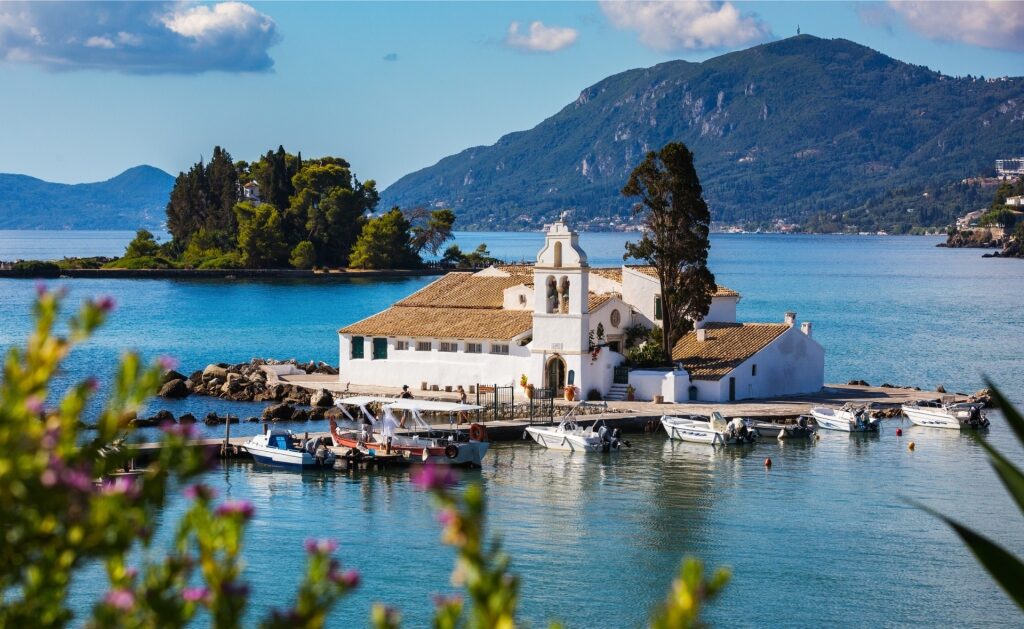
<point x="617" y="393"/>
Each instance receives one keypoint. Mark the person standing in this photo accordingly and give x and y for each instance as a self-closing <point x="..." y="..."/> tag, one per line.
<point x="405" y="395"/>
<point x="462" y="400"/>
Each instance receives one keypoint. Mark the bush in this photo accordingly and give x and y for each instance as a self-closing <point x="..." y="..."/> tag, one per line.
<point x="83" y="263"/>
<point x="145" y="262"/>
<point x="303" y="255"/>
<point x="594" y="395"/>
<point x="225" y="261"/>
<point x="647" y="355"/>
<point x="37" y="268"/>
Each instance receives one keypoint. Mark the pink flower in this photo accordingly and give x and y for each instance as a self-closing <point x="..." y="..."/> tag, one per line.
<point x="131" y="573"/>
<point x="433" y="477"/>
<point x="92" y="384"/>
<point x="40" y="289"/>
<point x="34" y="404"/>
<point x="188" y="431"/>
<point x="231" y="508"/>
<point x="105" y="303"/>
<point x="167" y="363"/>
<point x="199" y="490"/>
<point x="441" y="600"/>
<point x="321" y="546"/>
<point x="194" y="594"/>
<point x="349" y="578"/>
<point x="123" y="485"/>
<point x="120" y="599"/>
<point x="447" y="516"/>
<point x="77" y="479"/>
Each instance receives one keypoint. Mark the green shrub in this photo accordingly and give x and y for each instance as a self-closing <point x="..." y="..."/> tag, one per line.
<point x="83" y="263"/>
<point x="38" y="268"/>
<point x="225" y="261"/>
<point x="145" y="262"/>
<point x="303" y="255"/>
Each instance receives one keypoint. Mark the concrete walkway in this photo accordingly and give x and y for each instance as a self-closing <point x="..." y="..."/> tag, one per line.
<point x="789" y="406"/>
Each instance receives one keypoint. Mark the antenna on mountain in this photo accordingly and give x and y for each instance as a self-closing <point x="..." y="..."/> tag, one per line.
<point x="797" y="29"/>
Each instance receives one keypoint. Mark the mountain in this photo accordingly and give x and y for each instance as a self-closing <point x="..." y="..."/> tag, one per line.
<point x="793" y="129"/>
<point x="135" y="198"/>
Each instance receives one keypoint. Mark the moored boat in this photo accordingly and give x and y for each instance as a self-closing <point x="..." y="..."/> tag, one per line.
<point x="570" y="436"/>
<point x="277" y="447"/>
<point x="801" y="429"/>
<point x="946" y="415"/>
<point x="714" y="430"/>
<point x="845" y="419"/>
<point x="428" y="443"/>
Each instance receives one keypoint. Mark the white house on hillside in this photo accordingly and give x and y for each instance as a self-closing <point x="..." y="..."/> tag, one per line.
<point x="561" y="322"/>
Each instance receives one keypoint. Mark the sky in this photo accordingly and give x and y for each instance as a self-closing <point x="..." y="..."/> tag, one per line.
<point x="89" y="89"/>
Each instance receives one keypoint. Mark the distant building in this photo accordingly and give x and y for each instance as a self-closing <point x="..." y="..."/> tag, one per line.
<point x="969" y="220"/>
<point x="1012" y="167"/>
<point x="251" y="193"/>
<point x="1015" y="201"/>
<point x="561" y="322"/>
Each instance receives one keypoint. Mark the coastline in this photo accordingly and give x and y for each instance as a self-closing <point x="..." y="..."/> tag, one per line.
<point x="217" y="273"/>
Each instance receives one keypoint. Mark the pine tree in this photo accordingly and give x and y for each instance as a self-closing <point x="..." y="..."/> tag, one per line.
<point x="385" y="243"/>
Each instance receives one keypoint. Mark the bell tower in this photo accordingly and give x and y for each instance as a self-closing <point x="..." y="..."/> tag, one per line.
<point x="561" y="316"/>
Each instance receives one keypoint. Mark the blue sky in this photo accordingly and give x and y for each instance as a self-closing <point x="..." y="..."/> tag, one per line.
<point x="90" y="89"/>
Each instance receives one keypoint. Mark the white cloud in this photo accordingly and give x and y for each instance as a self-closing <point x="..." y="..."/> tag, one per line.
<point x="982" y="23"/>
<point x="541" y="38"/>
<point x="687" y="25"/>
<point x="137" y="37"/>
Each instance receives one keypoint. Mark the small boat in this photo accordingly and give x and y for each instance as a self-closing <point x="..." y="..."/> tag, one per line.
<point x="714" y="430"/>
<point x="846" y="419"/>
<point x="570" y="436"/>
<point x="428" y="443"/>
<point x="278" y="447"/>
<point x="946" y="415"/>
<point x="801" y="429"/>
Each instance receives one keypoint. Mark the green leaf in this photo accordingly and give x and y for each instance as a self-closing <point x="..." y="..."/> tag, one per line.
<point x="1013" y="417"/>
<point x="1007" y="570"/>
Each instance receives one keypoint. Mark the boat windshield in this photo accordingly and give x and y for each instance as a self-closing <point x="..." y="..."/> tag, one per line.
<point x="278" y="441"/>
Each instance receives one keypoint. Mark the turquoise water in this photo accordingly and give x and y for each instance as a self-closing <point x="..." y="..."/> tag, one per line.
<point x="824" y="538"/>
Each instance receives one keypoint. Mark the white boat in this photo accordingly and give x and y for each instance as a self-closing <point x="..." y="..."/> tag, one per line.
<point x="451" y="446"/>
<point x="278" y="447"/>
<point x="801" y="429"/>
<point x="570" y="436"/>
<point x="845" y="419"/>
<point x="714" y="430"/>
<point x="946" y="415"/>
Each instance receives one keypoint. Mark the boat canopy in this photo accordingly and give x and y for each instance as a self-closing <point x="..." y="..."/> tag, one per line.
<point x="361" y="400"/>
<point x="431" y="406"/>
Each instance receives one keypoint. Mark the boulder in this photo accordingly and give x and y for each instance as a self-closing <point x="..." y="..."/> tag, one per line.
<point x="187" y="418"/>
<point x="300" y="416"/>
<point x="171" y="374"/>
<point x="333" y="413"/>
<point x="317" y="412"/>
<point x="215" y="371"/>
<point x="252" y="420"/>
<point x="859" y="383"/>
<point x="212" y="419"/>
<point x="940" y="389"/>
<point x="139" y="422"/>
<point x="278" y="412"/>
<point x="322" y="398"/>
<point x="163" y="417"/>
<point x="175" y="389"/>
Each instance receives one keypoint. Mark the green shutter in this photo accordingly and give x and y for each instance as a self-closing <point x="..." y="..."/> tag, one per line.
<point x="380" y="349"/>
<point x="657" y="307"/>
<point x="357" y="347"/>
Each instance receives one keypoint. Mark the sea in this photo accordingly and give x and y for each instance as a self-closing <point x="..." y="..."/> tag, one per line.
<point x="826" y="537"/>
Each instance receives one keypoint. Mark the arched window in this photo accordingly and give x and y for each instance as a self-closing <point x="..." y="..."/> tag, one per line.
<point x="563" y="293"/>
<point x="558" y="255"/>
<point x="551" y="303"/>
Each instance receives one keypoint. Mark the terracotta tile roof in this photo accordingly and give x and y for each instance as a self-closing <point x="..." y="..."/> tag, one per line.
<point x="462" y="290"/>
<point x="596" y="300"/>
<point x="727" y="345"/>
<point x="649" y="271"/>
<point x="611" y="273"/>
<point x="451" y="323"/>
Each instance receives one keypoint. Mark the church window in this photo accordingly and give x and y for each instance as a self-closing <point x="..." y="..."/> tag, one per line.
<point x="448" y="346"/>
<point x="380" y="349"/>
<point x="401" y="346"/>
<point x="499" y="348"/>
<point x="753" y="369"/>
<point x="422" y="346"/>
<point x="474" y="348"/>
<point x="558" y="255"/>
<point x="657" y="307"/>
<point x="357" y="347"/>
<point x="615" y="318"/>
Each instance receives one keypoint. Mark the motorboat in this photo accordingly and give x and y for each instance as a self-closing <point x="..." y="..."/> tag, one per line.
<point x="280" y="447"/>
<point x="946" y="415"/>
<point x="802" y="428"/>
<point x="846" y="419"/>
<point x="715" y="430"/>
<point x="451" y="446"/>
<point x="569" y="435"/>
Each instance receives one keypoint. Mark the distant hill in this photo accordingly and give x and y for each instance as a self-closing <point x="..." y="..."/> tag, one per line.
<point x="793" y="129"/>
<point x="135" y="198"/>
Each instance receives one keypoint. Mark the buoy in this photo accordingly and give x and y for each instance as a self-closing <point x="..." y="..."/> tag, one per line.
<point x="899" y="432"/>
<point x="768" y="462"/>
<point x="910" y="446"/>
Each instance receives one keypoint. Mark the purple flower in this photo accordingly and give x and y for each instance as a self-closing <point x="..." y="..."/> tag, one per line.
<point x="349" y="578"/>
<point x="40" y="289"/>
<point x="120" y="599"/>
<point x="50" y="438"/>
<point x="131" y="573"/>
<point x="105" y="303"/>
<point x="433" y="477"/>
<point x="77" y="479"/>
<point x="123" y="485"/>
<point x="194" y="594"/>
<point x="34" y="404"/>
<point x="321" y="546"/>
<point x="441" y="600"/>
<point x="92" y="384"/>
<point x="200" y="490"/>
<point x="447" y="516"/>
<point x="230" y="508"/>
<point x="188" y="431"/>
<point x="167" y="363"/>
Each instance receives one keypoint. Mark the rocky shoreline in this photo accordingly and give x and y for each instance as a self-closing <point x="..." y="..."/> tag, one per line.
<point x="982" y="238"/>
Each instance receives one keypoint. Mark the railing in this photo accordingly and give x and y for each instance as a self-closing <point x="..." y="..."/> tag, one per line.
<point x="497" y="402"/>
<point x="620" y="375"/>
<point x="542" y="406"/>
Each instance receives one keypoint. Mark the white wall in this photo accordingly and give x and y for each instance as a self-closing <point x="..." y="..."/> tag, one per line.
<point x="672" y="385"/>
<point x="412" y="367"/>
<point x="602" y="284"/>
<point x="603" y="315"/>
<point x="638" y="290"/>
<point x="722" y="310"/>
<point x="511" y="298"/>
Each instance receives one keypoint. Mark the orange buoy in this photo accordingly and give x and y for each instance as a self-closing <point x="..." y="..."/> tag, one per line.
<point x="899" y="432"/>
<point x="910" y="446"/>
<point x="768" y="462"/>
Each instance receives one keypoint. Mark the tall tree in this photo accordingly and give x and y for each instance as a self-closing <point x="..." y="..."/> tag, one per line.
<point x="385" y="243"/>
<point x="222" y="182"/>
<point x="188" y="207"/>
<point x="675" y="240"/>
<point x="438" y="230"/>
<point x="260" y="241"/>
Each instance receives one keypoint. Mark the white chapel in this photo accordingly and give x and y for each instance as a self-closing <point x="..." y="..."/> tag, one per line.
<point x="562" y="323"/>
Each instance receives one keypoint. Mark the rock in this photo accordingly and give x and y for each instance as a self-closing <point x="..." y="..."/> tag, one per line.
<point x="300" y="416"/>
<point x="197" y="376"/>
<point x="322" y="398"/>
<point x="299" y="398"/>
<point x="175" y="389"/>
<point x="171" y="375"/>
<point x="187" y="418"/>
<point x="983" y="397"/>
<point x="215" y="371"/>
<point x="317" y="413"/>
<point x="278" y="412"/>
<point x="164" y="417"/>
<point x="858" y="383"/>
<point x="212" y="419"/>
<point x="252" y="420"/>
<point x="333" y="413"/>
<point x="940" y="389"/>
<point x="889" y="386"/>
<point x="139" y="422"/>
